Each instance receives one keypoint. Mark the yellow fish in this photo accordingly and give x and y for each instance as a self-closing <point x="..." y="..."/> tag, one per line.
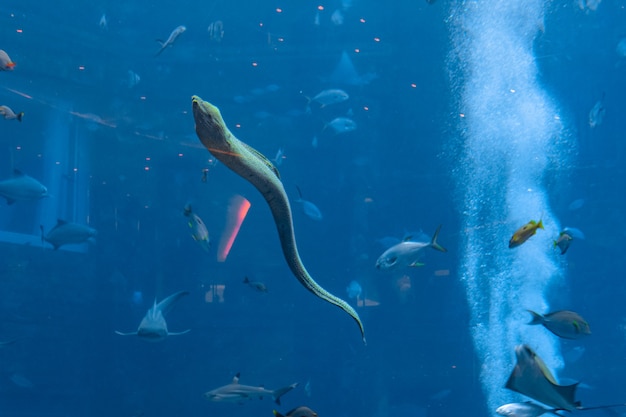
<point x="522" y="234"/>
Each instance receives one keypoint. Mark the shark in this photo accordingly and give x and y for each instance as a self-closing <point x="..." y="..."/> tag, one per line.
<point x="153" y="327"/>
<point x="238" y="393"/>
<point x="21" y="187"/>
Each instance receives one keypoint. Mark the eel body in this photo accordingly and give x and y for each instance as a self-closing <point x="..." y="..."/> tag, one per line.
<point x="259" y="171"/>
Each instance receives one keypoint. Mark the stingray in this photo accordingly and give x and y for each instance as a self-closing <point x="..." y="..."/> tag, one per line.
<point x="153" y="327"/>
<point x="532" y="378"/>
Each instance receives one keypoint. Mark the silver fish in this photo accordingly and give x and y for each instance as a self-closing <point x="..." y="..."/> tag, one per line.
<point x="10" y="114"/>
<point x="525" y="409"/>
<point x="22" y="188"/>
<point x="407" y="253"/>
<point x="330" y="96"/>
<point x="65" y="233"/>
<point x="342" y="125"/>
<point x="171" y="39"/>
<point x="153" y="327"/>
<point x="235" y="392"/>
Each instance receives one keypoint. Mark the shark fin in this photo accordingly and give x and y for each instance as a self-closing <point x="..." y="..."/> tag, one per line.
<point x="236" y="378"/>
<point x="126" y="334"/>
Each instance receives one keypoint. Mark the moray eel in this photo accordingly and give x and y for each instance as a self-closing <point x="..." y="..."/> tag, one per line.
<point x="259" y="171"/>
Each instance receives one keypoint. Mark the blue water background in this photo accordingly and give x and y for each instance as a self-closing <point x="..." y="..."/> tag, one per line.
<point x="395" y="174"/>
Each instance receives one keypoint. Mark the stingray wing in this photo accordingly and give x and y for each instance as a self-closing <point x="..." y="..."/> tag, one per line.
<point x="533" y="379"/>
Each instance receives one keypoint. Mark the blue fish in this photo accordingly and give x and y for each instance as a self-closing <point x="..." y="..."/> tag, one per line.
<point x="309" y="208"/>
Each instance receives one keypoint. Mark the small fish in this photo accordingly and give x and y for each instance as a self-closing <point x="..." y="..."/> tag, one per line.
<point x="153" y="327"/>
<point x="597" y="112"/>
<point x="132" y="78"/>
<point x="297" y="412"/>
<point x="256" y="285"/>
<point x="337" y="17"/>
<point x="22" y="188"/>
<point x="330" y="96"/>
<point x="309" y="208"/>
<point x="342" y="125"/>
<point x="205" y="175"/>
<point x="525" y="409"/>
<point x="5" y="62"/>
<point x="171" y="39"/>
<point x="10" y="114"/>
<point x="199" y="232"/>
<point x="103" y="22"/>
<point x="354" y="289"/>
<point x="66" y="233"/>
<point x="522" y="234"/>
<point x="280" y="155"/>
<point x="235" y="392"/>
<point x="407" y="253"/>
<point x="564" y="323"/>
<point x="563" y="241"/>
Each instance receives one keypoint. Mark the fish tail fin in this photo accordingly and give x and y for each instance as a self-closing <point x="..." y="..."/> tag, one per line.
<point x="299" y="193"/>
<point x="276" y="394"/>
<point x="540" y="224"/>
<point x="277" y="414"/>
<point x="434" y="244"/>
<point x="536" y="319"/>
<point x="19" y="116"/>
<point x="160" y="42"/>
